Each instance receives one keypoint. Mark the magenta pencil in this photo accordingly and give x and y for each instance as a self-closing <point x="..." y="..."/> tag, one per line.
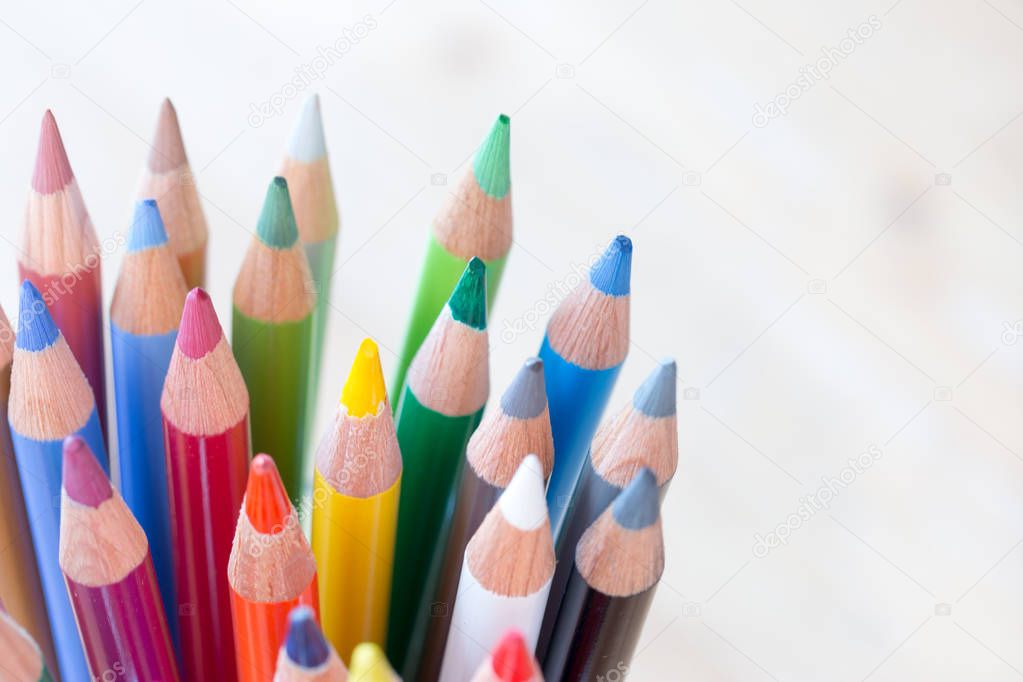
<point x="110" y="578"/>
<point x="60" y="255"/>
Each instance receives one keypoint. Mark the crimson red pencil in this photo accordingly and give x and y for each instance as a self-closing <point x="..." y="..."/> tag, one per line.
<point x="205" y="408"/>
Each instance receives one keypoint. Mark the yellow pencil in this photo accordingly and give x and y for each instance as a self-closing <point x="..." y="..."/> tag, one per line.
<point x="355" y="508"/>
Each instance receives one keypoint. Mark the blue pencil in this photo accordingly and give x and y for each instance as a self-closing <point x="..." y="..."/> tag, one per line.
<point x="144" y="318"/>
<point x="586" y="342"/>
<point x="50" y="399"/>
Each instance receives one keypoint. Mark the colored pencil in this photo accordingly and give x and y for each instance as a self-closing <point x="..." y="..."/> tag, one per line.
<point x="520" y="425"/>
<point x="618" y="564"/>
<point x="61" y="256"/>
<point x="23" y="659"/>
<point x="306" y="655"/>
<point x="50" y="400"/>
<point x="144" y="317"/>
<point x="475" y="222"/>
<point x="369" y="664"/>
<point x="643" y="434"/>
<point x="357" y="477"/>
<point x="272" y="336"/>
<point x="168" y="177"/>
<point x="272" y="570"/>
<point x="510" y="661"/>
<point x="442" y="403"/>
<point x="205" y="410"/>
<point x="109" y="572"/>
<point x="586" y="342"/>
<point x="506" y="575"/>
<point x="307" y="170"/>
<point x="19" y="581"/>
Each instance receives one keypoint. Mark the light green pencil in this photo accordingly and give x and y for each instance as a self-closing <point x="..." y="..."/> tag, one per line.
<point x="476" y="221"/>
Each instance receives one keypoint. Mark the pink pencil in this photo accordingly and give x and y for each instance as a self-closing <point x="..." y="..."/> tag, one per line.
<point x="61" y="256"/>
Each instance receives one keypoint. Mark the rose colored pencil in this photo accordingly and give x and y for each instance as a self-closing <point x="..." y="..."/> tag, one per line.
<point x="205" y="409"/>
<point x="168" y="178"/>
<point x="109" y="573"/>
<point x="61" y="256"/>
<point x="271" y="571"/>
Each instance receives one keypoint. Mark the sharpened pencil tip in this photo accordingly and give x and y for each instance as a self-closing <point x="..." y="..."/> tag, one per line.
<point x="612" y="272"/>
<point x="523" y="502"/>
<point x="364" y="389"/>
<point x="369" y="664"/>
<point x="276" y="227"/>
<point x="655" y="397"/>
<point x="36" y="328"/>
<point x="492" y="166"/>
<point x="266" y="501"/>
<point x="638" y="506"/>
<point x="199" y="332"/>
<point x="168" y="150"/>
<point x="511" y="660"/>
<point x="304" y="642"/>
<point x="468" y="302"/>
<point x="306" y="143"/>
<point x="147" y="230"/>
<point x="82" y="477"/>
<point x="53" y="170"/>
<point x="526" y="397"/>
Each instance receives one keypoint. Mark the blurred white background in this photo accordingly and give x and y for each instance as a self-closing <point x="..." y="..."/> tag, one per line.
<point x="842" y="276"/>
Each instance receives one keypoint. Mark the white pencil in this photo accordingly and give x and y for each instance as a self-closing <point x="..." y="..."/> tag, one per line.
<point x="506" y="575"/>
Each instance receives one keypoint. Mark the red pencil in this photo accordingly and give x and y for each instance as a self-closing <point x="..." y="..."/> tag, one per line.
<point x="205" y="408"/>
<point x="272" y="570"/>
<point x="61" y="256"/>
<point x="110" y="578"/>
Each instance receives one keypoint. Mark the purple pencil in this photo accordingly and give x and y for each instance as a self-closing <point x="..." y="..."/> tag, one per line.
<point x="109" y="573"/>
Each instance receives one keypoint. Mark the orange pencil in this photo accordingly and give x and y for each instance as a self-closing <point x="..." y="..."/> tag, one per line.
<point x="271" y="571"/>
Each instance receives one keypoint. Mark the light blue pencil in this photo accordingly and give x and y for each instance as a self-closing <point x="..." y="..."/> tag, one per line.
<point x="50" y="400"/>
<point x="144" y="318"/>
<point x="586" y="342"/>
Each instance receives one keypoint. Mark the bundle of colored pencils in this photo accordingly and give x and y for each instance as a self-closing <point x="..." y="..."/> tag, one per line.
<point x="472" y="544"/>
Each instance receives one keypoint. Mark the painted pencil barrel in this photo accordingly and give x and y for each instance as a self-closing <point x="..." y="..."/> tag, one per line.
<point x="140" y="366"/>
<point x="576" y="398"/>
<point x="441" y="271"/>
<point x="20" y="591"/>
<point x="353" y="541"/>
<point x="206" y="478"/>
<point x="39" y="467"/>
<point x="432" y="445"/>
<point x="74" y="302"/>
<point x="260" y="630"/>
<point x="595" y="633"/>
<point x="474" y="499"/>
<point x="480" y="618"/>
<point x="321" y="263"/>
<point x="274" y="359"/>
<point x="123" y="627"/>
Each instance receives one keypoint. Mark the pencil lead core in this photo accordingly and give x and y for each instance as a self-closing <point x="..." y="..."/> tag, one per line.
<point x="36" y="329"/>
<point x="611" y="273"/>
<point x="200" y="330"/>
<point x="147" y="229"/>
<point x="526" y="397"/>
<point x="468" y="302"/>
<point x="83" y="478"/>
<point x="369" y="664"/>
<point x="266" y="500"/>
<point x="276" y="227"/>
<point x="523" y="503"/>
<point x="511" y="660"/>
<point x="655" y="397"/>
<point x="637" y="506"/>
<point x="306" y="143"/>
<point x="304" y="642"/>
<point x="492" y="165"/>
<point x="364" y="389"/>
<point x="168" y="150"/>
<point x="53" y="170"/>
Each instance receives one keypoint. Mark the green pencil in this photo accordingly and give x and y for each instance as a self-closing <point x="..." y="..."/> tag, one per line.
<point x="476" y="221"/>
<point x="448" y="383"/>
<point x="272" y="336"/>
